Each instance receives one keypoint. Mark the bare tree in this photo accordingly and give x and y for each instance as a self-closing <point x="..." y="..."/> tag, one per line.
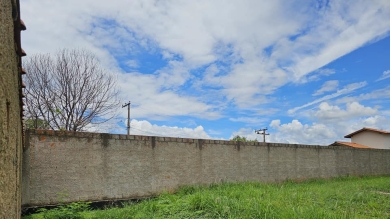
<point x="69" y="91"/>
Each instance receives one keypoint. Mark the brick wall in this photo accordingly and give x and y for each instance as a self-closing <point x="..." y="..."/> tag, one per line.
<point x="66" y="166"/>
<point x="10" y="109"/>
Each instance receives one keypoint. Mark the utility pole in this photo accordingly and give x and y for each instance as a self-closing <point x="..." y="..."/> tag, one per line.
<point x="128" y="116"/>
<point x="36" y="122"/>
<point x="262" y="132"/>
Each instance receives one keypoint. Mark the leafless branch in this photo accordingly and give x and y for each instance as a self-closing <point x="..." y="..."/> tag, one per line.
<point x="70" y="90"/>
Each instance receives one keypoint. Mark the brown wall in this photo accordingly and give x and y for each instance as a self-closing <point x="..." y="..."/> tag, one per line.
<point x="66" y="166"/>
<point x="10" y="111"/>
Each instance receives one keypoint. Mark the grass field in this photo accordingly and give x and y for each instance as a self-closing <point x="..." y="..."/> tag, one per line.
<point x="348" y="197"/>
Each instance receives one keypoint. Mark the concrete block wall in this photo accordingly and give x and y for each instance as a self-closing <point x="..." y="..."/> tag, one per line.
<point x="66" y="166"/>
<point x="10" y="110"/>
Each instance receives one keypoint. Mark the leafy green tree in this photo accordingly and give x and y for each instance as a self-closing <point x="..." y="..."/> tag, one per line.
<point x="239" y="138"/>
<point x="36" y="124"/>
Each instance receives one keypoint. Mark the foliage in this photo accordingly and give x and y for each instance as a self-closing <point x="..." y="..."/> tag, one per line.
<point x="346" y="197"/>
<point x="239" y="138"/>
<point x="69" y="91"/>
<point x="70" y="211"/>
<point x="36" y="124"/>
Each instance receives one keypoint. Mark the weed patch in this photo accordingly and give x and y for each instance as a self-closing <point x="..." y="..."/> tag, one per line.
<point x="348" y="197"/>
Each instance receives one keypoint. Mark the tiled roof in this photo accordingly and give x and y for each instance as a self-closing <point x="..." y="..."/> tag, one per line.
<point x="366" y="129"/>
<point x="349" y="144"/>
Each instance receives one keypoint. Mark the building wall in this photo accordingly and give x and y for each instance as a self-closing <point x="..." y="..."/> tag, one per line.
<point x="371" y="139"/>
<point x="66" y="166"/>
<point x="386" y="141"/>
<point x="10" y="111"/>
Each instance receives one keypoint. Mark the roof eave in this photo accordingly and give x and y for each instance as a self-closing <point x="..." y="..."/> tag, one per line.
<point x="366" y="129"/>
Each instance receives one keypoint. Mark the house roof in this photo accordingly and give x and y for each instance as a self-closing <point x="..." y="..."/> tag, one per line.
<point x="348" y="144"/>
<point x="366" y="129"/>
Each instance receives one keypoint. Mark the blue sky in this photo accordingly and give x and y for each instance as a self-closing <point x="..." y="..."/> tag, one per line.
<point x="309" y="71"/>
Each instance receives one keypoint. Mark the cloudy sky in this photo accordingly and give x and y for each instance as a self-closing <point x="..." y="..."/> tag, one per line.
<point x="310" y="71"/>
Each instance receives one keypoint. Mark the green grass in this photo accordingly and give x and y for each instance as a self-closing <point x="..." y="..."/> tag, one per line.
<point x="348" y="197"/>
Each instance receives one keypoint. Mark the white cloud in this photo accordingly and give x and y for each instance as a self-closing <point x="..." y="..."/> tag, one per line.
<point x="144" y="127"/>
<point x="316" y="75"/>
<point x="260" y="80"/>
<point x="332" y="113"/>
<point x="376" y="121"/>
<point x="379" y="122"/>
<point x="266" y="44"/>
<point x="327" y="87"/>
<point x="252" y="48"/>
<point x="332" y="124"/>
<point x="325" y="71"/>
<point x="110" y="126"/>
<point x="385" y="75"/>
<point x="346" y="89"/>
<point x="132" y="63"/>
<point x="293" y="133"/>
<point x="341" y="27"/>
<point x="382" y="93"/>
<point x="150" y="101"/>
<point x="298" y="133"/>
<point x="250" y="120"/>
